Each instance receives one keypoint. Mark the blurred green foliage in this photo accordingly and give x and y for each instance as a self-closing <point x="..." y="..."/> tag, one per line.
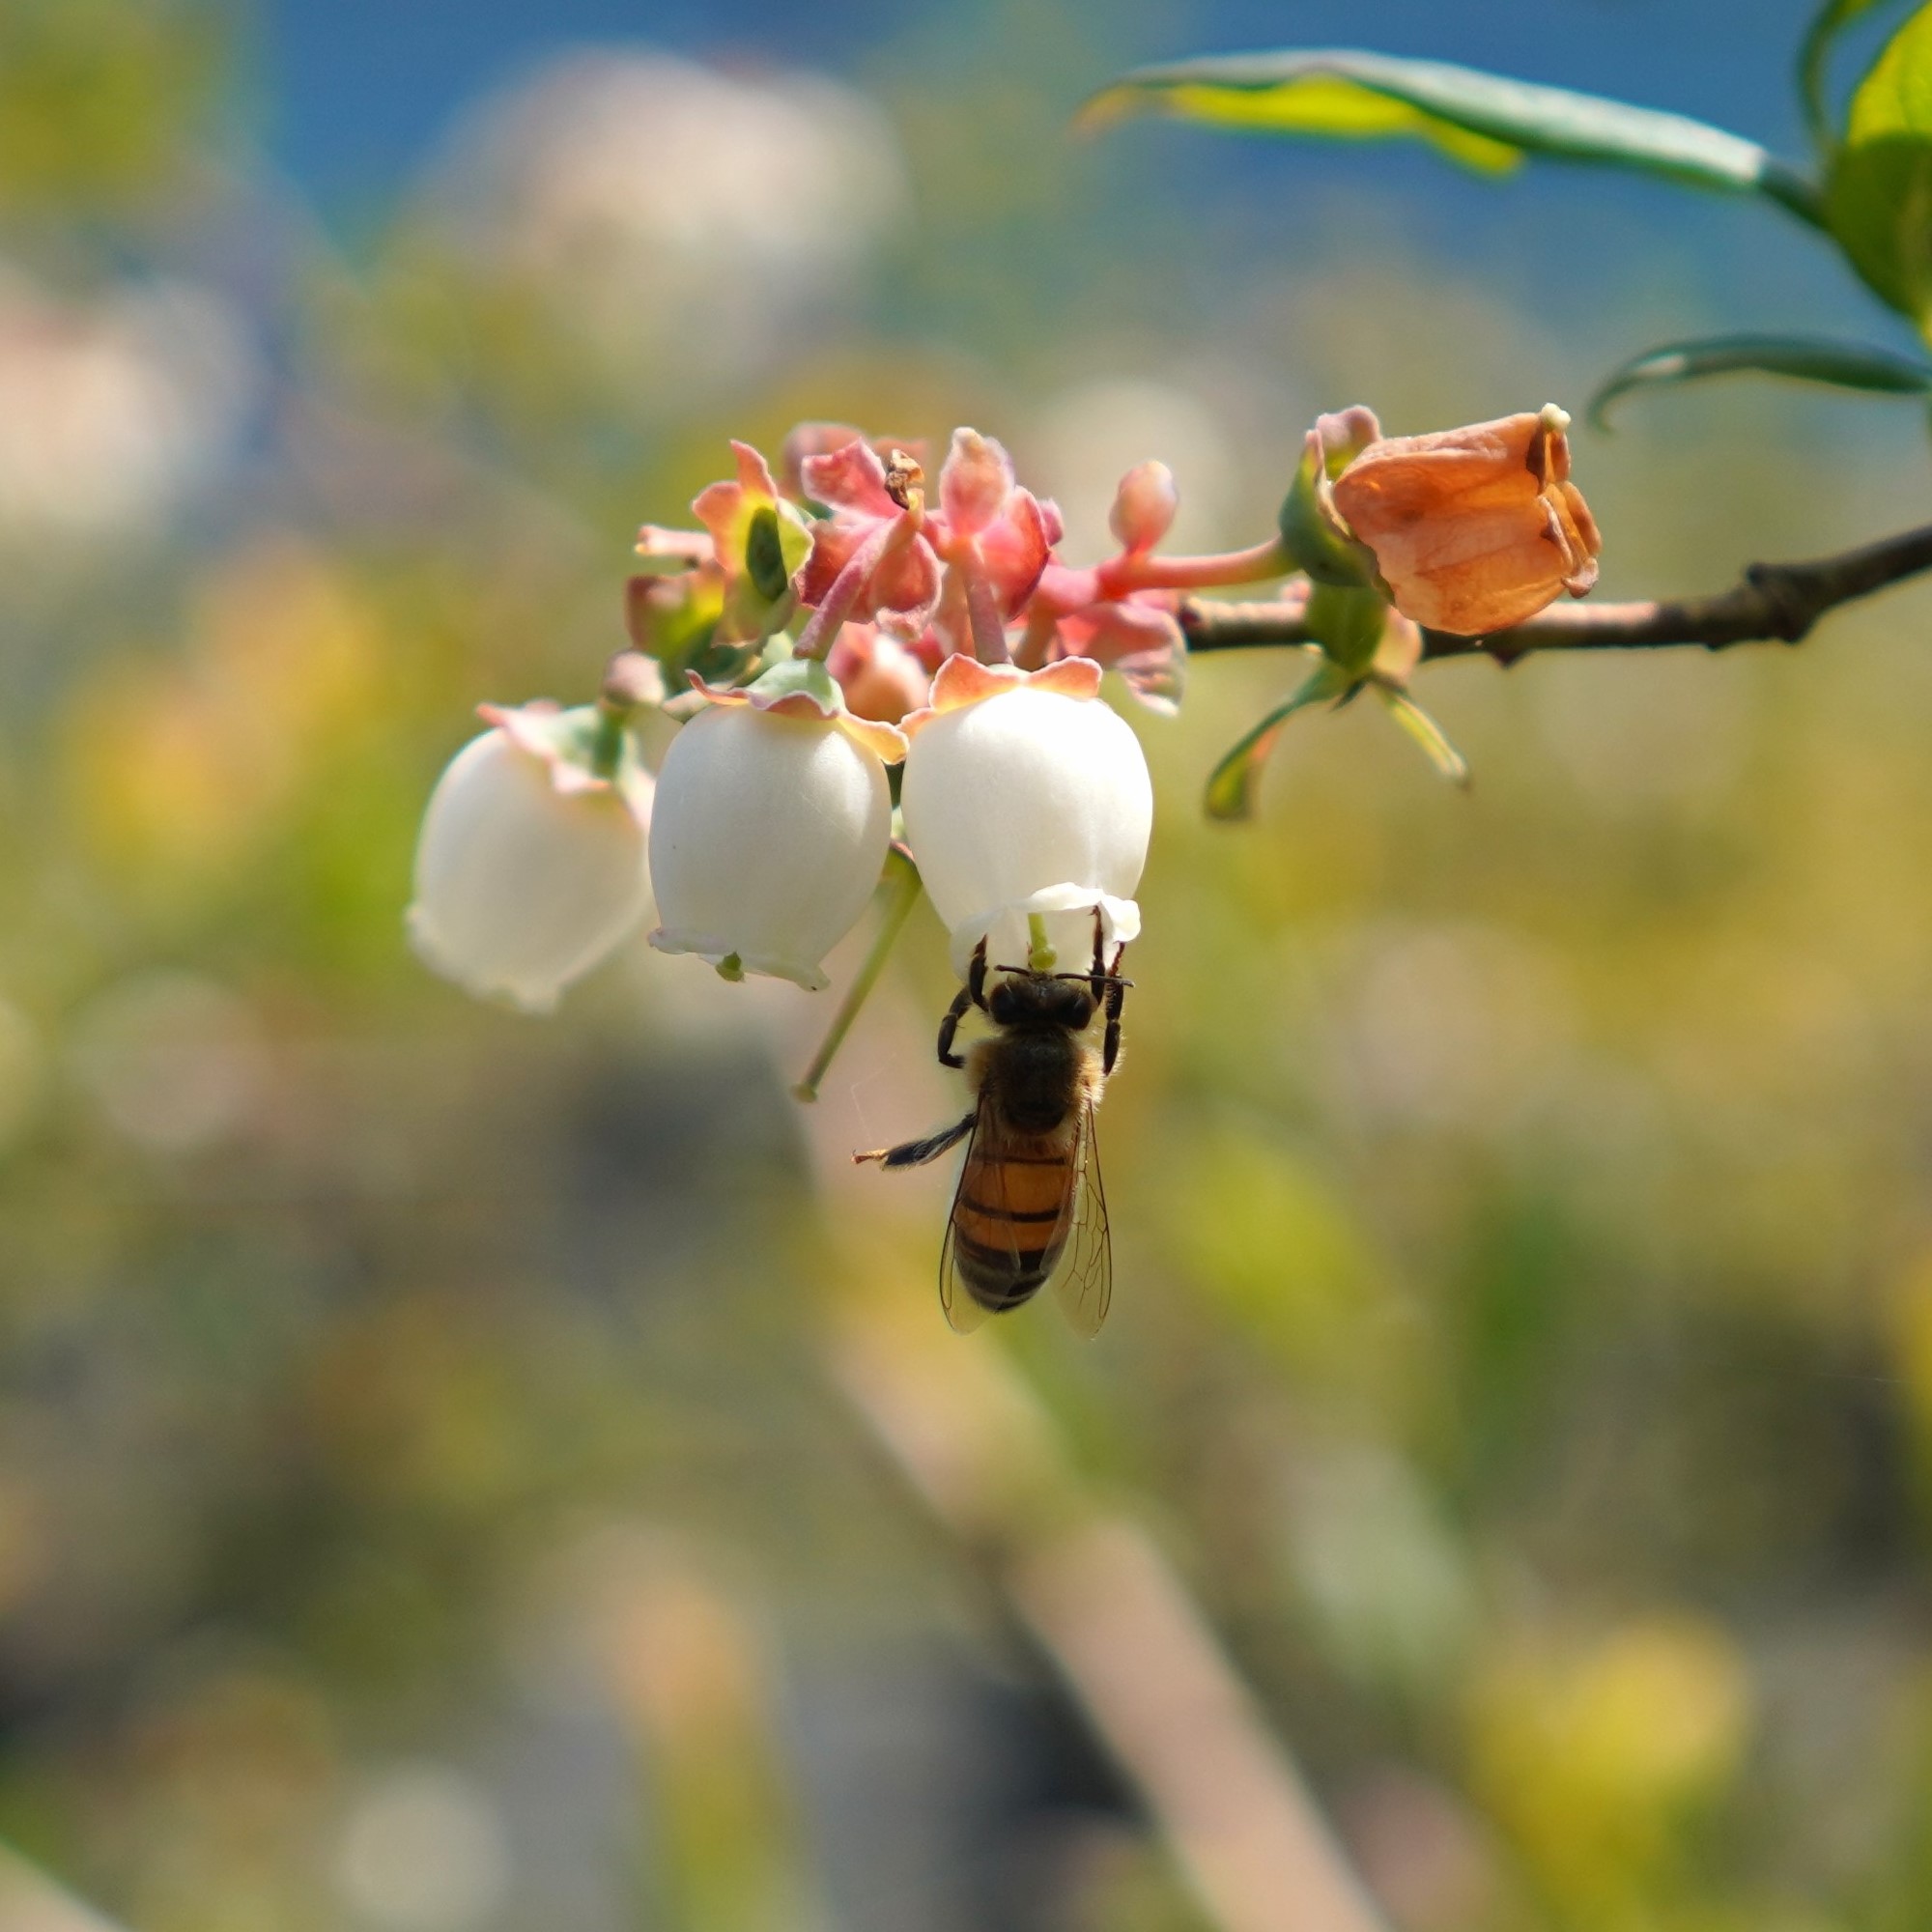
<point x="96" y="98"/>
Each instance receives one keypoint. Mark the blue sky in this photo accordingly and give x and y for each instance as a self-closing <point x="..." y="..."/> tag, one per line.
<point x="356" y="91"/>
<point x="354" y="95"/>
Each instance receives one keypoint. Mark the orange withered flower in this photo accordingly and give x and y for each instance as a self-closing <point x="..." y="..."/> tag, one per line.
<point x="1473" y="529"/>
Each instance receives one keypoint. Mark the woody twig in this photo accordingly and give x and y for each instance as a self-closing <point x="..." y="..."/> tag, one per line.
<point x="1775" y="603"/>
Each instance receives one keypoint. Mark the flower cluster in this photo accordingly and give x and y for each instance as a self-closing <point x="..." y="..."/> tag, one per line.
<point x="856" y="668"/>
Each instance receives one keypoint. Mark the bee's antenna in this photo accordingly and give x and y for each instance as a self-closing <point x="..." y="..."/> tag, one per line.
<point x="1105" y="978"/>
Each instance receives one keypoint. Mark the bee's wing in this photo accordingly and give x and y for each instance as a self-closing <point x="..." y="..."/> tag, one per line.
<point x="1084" y="1285"/>
<point x="962" y="1312"/>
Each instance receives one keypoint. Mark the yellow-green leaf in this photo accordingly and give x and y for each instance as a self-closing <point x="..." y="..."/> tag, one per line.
<point x="1231" y="787"/>
<point x="1814" y="56"/>
<point x="1483" y="120"/>
<point x="1879" y="193"/>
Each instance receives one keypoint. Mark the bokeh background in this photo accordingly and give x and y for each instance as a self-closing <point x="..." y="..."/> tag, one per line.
<point x="428" y="1501"/>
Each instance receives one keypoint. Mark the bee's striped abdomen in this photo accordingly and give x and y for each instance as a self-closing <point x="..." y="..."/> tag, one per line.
<point x="1010" y="1223"/>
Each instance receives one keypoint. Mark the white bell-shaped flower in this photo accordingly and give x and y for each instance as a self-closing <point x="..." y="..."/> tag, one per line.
<point x="771" y="825"/>
<point x="531" y="868"/>
<point x="1026" y="797"/>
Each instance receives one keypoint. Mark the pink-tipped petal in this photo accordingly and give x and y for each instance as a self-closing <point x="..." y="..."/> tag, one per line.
<point x="672" y="549"/>
<point x="976" y="482"/>
<point x="1015" y="550"/>
<point x="849" y="478"/>
<point x="807" y="440"/>
<point x="903" y="591"/>
<point x="531" y="729"/>
<point x="1108" y="633"/>
<point x="834" y="544"/>
<point x="964" y="680"/>
<point x="722" y="508"/>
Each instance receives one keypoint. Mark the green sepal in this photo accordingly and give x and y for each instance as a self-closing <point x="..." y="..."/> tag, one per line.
<point x="1804" y="359"/>
<point x="676" y="620"/>
<point x="590" y="736"/>
<point x="798" y="677"/>
<point x="1231" y="787"/>
<point x="765" y="557"/>
<point x="715" y="663"/>
<point x="1347" y="625"/>
<point x="1312" y="534"/>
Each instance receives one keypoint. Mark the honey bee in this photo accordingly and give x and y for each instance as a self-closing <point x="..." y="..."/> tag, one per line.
<point x="1030" y="1208"/>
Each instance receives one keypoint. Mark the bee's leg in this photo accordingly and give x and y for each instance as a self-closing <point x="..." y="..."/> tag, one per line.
<point x="1117" y="994"/>
<point x="916" y="1154"/>
<point x="1099" y="979"/>
<point x="972" y="994"/>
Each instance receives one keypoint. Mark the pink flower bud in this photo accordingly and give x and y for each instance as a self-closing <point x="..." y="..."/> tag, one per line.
<point x="976" y="482"/>
<point x="1143" y="506"/>
<point x="880" y="677"/>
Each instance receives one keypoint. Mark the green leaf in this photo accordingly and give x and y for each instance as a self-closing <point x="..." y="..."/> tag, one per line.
<point x="1805" y="359"/>
<point x="1483" y="120"/>
<point x="1878" y="195"/>
<point x="1230" y="788"/>
<point x="1814" y="57"/>
<point x="1424" y="730"/>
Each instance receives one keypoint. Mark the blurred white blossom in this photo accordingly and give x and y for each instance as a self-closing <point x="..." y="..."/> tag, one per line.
<point x="174" y="1061"/>
<point x="672" y="211"/>
<point x="113" y="408"/>
<point x="422" y="1849"/>
<point x="1088" y="437"/>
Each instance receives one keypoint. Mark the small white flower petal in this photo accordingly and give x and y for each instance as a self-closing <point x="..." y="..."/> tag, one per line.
<point x="521" y="886"/>
<point x="768" y="835"/>
<point x="1029" y="801"/>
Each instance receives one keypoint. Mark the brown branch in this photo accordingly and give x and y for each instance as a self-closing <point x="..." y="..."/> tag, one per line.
<point x="1775" y="603"/>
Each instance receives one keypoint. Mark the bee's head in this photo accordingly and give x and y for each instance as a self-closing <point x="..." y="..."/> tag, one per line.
<point x="1037" y="997"/>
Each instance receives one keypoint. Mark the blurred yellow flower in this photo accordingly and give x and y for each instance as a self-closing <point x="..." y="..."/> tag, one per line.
<point x="1591" y="1757"/>
<point x="181" y="770"/>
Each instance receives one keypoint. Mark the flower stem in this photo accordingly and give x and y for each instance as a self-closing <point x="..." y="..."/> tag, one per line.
<point x="822" y="628"/>
<point x="606" y="746"/>
<point x="983" y="614"/>
<point x="1042" y="957"/>
<point x="902" y="882"/>
<point x="1149" y="572"/>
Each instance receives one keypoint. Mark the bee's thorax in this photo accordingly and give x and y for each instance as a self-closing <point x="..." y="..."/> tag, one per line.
<point x="1036" y="1076"/>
